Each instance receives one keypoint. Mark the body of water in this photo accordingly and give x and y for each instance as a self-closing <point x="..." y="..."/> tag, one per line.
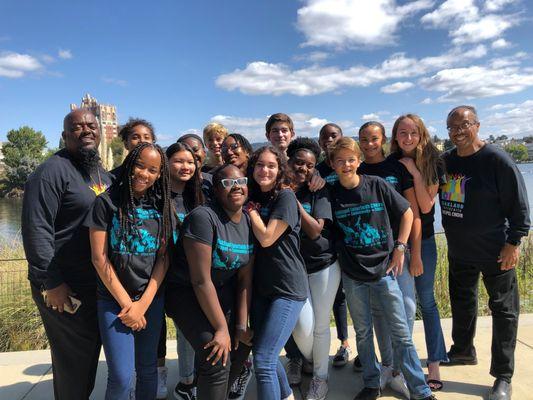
<point x="10" y="209"/>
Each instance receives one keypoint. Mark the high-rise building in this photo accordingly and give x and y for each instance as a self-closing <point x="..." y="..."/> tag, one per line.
<point x="106" y="115"/>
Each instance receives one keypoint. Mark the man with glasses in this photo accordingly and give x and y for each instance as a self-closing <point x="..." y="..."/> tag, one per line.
<point x="485" y="213"/>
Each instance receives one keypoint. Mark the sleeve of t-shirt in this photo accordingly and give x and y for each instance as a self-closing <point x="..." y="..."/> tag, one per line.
<point x="199" y="226"/>
<point x="100" y="215"/>
<point x="286" y="208"/>
<point x="322" y="205"/>
<point x="396" y="204"/>
<point x="441" y="173"/>
<point x="407" y="178"/>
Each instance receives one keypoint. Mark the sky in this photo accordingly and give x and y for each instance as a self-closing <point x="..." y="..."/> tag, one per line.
<point x="183" y="64"/>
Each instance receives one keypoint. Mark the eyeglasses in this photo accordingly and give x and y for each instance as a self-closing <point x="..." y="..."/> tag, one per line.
<point x="464" y="126"/>
<point x="229" y="182"/>
<point x="233" y="147"/>
<point x="340" y="162"/>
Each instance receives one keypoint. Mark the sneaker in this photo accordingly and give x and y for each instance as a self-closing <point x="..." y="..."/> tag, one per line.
<point x="385" y="376"/>
<point x="294" y="371"/>
<point x="397" y="383"/>
<point x="185" y="392"/>
<point x="162" y="391"/>
<point x="341" y="357"/>
<point x="368" y="394"/>
<point x="318" y="389"/>
<point x="456" y="358"/>
<point x="238" y="389"/>
<point x="307" y="367"/>
<point x="357" y="366"/>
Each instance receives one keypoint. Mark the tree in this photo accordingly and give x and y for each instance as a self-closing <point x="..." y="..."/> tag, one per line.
<point x="517" y="151"/>
<point x="448" y="144"/>
<point x="117" y="149"/>
<point x="23" y="152"/>
<point x="502" y="137"/>
<point x="528" y="139"/>
<point x="491" y="139"/>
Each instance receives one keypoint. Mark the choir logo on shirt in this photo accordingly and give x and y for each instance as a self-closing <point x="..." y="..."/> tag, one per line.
<point x="98" y="188"/>
<point x="307" y="207"/>
<point x="229" y="256"/>
<point x="453" y="194"/>
<point x="176" y="233"/>
<point x="392" y="180"/>
<point x="332" y="178"/>
<point x="141" y="242"/>
<point x="358" y="233"/>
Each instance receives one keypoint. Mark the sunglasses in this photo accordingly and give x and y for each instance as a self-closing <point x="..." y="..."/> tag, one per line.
<point x="232" y="147"/>
<point x="229" y="182"/>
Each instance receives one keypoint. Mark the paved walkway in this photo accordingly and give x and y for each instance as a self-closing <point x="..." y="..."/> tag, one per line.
<point x="27" y="375"/>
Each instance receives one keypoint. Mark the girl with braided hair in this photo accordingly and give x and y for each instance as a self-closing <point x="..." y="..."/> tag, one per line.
<point x="129" y="228"/>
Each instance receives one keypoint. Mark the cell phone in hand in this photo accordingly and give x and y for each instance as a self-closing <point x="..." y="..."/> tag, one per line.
<point x="76" y="303"/>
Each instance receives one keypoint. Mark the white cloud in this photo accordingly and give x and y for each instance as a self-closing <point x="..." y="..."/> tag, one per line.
<point x="313" y="57"/>
<point x="260" y="78"/>
<point x="477" y="81"/>
<point x="486" y="28"/>
<point x="500" y="44"/>
<point x="64" y="54"/>
<point x="451" y="11"/>
<point x="345" y="23"/>
<point x="496" y="5"/>
<point x="427" y="100"/>
<point x="47" y="58"/>
<point x="397" y="87"/>
<point x="502" y="106"/>
<point x="15" y="65"/>
<point x="370" y="117"/>
<point x="517" y="121"/>
<point x="114" y="81"/>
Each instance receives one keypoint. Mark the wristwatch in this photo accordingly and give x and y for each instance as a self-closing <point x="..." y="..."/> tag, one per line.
<point x="400" y="246"/>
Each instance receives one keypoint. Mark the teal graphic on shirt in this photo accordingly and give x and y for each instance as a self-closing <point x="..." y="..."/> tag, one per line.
<point x="392" y="180"/>
<point x="307" y="207"/>
<point x="332" y="178"/>
<point x="226" y="255"/>
<point x="176" y="233"/>
<point x="357" y="232"/>
<point x="141" y="241"/>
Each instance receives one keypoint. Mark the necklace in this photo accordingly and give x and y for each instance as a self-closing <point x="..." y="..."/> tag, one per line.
<point x="97" y="187"/>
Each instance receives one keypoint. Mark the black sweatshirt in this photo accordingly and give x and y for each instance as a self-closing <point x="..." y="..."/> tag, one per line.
<point x="57" y="197"/>
<point x="484" y="204"/>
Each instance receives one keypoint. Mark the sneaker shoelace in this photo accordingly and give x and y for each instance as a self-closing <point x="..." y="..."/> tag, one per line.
<point x="238" y="385"/>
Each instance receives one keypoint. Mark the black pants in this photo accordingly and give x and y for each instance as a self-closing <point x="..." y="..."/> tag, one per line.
<point x="74" y="344"/>
<point x="340" y="314"/>
<point x="162" y="345"/>
<point x="182" y="306"/>
<point x="502" y="288"/>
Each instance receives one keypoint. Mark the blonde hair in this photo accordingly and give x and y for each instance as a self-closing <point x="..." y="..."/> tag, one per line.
<point x="344" y="143"/>
<point x="427" y="156"/>
<point x="214" y="129"/>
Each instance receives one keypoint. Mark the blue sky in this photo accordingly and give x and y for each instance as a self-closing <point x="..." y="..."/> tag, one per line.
<point x="182" y="65"/>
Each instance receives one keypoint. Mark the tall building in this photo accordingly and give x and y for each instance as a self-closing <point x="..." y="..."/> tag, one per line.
<point x="106" y="115"/>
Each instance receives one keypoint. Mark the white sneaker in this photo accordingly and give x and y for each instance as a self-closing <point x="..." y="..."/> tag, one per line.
<point x="318" y="389"/>
<point x="397" y="383"/>
<point x="385" y="376"/>
<point x="162" y="391"/>
<point x="294" y="371"/>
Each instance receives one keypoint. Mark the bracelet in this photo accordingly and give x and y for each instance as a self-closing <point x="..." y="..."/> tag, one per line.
<point x="240" y="327"/>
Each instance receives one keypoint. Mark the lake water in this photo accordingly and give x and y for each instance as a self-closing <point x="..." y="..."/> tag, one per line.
<point x="10" y="209"/>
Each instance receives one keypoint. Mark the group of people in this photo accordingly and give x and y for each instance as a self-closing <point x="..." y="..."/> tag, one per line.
<point x="249" y="251"/>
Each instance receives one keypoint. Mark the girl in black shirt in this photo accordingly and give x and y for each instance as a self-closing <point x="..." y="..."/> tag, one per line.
<point x="237" y="150"/>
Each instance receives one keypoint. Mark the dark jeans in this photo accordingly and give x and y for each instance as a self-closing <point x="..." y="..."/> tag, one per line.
<point x="291" y="349"/>
<point x="502" y="288"/>
<point x="74" y="344"/>
<point x="182" y="306"/>
<point x="162" y="345"/>
<point x="340" y="313"/>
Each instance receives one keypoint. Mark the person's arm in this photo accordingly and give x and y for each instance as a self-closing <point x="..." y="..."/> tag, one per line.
<point x="316" y="182"/>
<point x="406" y="222"/>
<point x="416" y="268"/>
<point x="267" y="235"/>
<point x="244" y="300"/>
<point x="425" y="195"/>
<point x="199" y="260"/>
<point x="311" y="226"/>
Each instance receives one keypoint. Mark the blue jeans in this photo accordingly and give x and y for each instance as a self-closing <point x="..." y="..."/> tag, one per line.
<point x="127" y="351"/>
<point x="272" y="321"/>
<point x="185" y="357"/>
<point x="391" y="299"/>
<point x="435" y="345"/>
<point x="406" y="283"/>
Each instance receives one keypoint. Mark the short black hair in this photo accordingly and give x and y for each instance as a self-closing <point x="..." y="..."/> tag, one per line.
<point x="374" y="123"/>
<point x="303" y="143"/>
<point x="182" y="138"/>
<point x="217" y="173"/>
<point x="333" y="125"/>
<point x="245" y="144"/>
<point x="127" y="129"/>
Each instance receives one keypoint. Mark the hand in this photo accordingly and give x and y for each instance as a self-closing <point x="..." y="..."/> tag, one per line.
<point x="409" y="163"/>
<point x="221" y="345"/>
<point x="416" y="268"/>
<point x="242" y="335"/>
<point x="133" y="317"/>
<point x="316" y="183"/>
<point x="251" y="206"/>
<point x="396" y="263"/>
<point x="58" y="297"/>
<point x="509" y="256"/>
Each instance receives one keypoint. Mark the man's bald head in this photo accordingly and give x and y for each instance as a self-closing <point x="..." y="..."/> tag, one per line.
<point x="80" y="131"/>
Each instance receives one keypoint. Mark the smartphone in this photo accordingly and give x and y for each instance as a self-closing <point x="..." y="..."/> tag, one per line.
<point x="76" y="303"/>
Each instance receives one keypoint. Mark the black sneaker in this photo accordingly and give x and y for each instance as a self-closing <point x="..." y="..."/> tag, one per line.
<point x="357" y="366"/>
<point x="457" y="358"/>
<point x="341" y="357"/>
<point x="185" y="392"/>
<point x="238" y="389"/>
<point x="368" y="394"/>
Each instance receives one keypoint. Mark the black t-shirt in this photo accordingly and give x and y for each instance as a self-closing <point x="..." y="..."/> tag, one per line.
<point x="133" y="257"/>
<point x="232" y="244"/>
<point x="207" y="186"/>
<point x="57" y="197"/>
<point x="395" y="173"/>
<point x="363" y="215"/>
<point x="428" y="219"/>
<point x="327" y="173"/>
<point x="318" y="253"/>
<point x="279" y="269"/>
<point x="484" y="204"/>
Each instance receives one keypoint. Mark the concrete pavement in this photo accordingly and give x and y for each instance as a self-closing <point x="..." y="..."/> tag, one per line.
<point x="27" y="375"/>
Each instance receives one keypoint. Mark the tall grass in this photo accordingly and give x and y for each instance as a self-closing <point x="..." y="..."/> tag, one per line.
<point x="21" y="327"/>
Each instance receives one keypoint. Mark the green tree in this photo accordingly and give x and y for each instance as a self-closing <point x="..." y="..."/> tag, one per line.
<point x="517" y="151"/>
<point x="23" y="152"/>
<point x="448" y="144"/>
<point x="528" y="139"/>
<point x="502" y="137"/>
<point x="117" y="148"/>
